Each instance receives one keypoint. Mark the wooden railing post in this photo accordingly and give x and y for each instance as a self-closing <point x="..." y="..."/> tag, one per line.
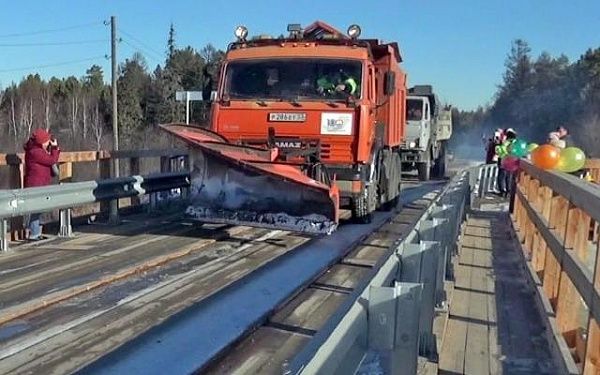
<point x="552" y="269"/>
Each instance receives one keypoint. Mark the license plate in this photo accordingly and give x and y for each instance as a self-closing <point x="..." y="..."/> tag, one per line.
<point x="287" y="117"/>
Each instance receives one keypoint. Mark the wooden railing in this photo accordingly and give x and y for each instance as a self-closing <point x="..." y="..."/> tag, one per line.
<point x="555" y="215"/>
<point x="594" y="167"/>
<point x="92" y="165"/>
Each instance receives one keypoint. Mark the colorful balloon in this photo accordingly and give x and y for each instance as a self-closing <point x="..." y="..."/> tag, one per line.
<point x="571" y="160"/>
<point x="532" y="146"/>
<point x="518" y="148"/>
<point x="510" y="163"/>
<point x="545" y="156"/>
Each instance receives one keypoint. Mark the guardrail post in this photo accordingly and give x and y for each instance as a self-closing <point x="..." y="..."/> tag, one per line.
<point x="66" y="229"/>
<point x="185" y="166"/>
<point x="110" y="207"/>
<point x="4" y="235"/>
<point x="134" y="170"/>
<point x="420" y="264"/>
<point x="394" y="326"/>
<point x="15" y="181"/>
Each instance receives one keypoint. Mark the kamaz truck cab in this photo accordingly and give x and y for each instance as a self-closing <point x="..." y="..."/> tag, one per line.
<point x="332" y="105"/>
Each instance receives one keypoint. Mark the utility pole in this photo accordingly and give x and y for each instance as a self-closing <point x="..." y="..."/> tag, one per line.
<point x="114" y="205"/>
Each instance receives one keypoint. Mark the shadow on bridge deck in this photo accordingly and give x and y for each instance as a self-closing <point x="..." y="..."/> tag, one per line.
<point x="494" y="326"/>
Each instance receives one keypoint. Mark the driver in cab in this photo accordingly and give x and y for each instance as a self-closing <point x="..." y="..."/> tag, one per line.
<point x="338" y="82"/>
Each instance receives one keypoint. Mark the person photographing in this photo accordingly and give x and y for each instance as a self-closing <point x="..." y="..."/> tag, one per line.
<point x="41" y="156"/>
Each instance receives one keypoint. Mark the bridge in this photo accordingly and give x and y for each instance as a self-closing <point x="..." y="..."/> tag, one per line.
<point x="454" y="281"/>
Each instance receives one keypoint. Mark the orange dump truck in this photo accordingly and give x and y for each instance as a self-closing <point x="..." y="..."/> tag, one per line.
<point x="301" y="126"/>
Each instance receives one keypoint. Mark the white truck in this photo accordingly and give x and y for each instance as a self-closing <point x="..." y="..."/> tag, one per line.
<point x="428" y="129"/>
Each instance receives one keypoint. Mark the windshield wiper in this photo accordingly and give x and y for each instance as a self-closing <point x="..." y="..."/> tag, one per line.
<point x="295" y="102"/>
<point x="261" y="103"/>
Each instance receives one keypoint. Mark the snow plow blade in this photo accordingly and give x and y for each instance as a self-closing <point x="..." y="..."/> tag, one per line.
<point x="244" y="185"/>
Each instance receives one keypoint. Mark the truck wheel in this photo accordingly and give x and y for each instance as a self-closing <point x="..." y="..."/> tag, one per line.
<point x="363" y="206"/>
<point x="439" y="169"/>
<point x="424" y="170"/>
<point x="393" y="170"/>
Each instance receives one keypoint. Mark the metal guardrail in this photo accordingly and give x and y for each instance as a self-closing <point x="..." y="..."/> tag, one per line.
<point x="18" y="202"/>
<point x="392" y="313"/>
<point x="483" y="180"/>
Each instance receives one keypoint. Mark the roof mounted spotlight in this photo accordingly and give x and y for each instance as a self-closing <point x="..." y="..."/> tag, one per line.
<point x="295" y="30"/>
<point x="241" y="32"/>
<point x="354" y="31"/>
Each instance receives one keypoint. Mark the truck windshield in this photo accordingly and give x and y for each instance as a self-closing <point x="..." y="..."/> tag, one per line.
<point x="285" y="79"/>
<point x="414" y="110"/>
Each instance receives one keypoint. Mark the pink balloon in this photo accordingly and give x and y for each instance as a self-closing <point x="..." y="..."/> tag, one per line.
<point x="510" y="163"/>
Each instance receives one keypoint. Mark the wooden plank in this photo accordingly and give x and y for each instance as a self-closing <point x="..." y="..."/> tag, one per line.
<point x="308" y="311"/>
<point x="452" y="358"/>
<point x="264" y="352"/>
<point x="477" y="354"/>
<point x="592" y="357"/>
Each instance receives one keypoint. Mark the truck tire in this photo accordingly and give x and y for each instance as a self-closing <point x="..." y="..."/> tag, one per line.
<point x="439" y="169"/>
<point x="390" y="183"/>
<point x="424" y="170"/>
<point x="364" y="205"/>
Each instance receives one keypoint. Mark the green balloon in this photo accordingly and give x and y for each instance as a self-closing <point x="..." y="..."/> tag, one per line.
<point x="571" y="160"/>
<point x="518" y="148"/>
<point x="532" y="146"/>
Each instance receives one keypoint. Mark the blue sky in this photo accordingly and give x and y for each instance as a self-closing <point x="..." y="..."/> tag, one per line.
<point x="459" y="46"/>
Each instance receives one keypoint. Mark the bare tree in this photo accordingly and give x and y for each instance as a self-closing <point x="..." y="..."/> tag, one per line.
<point x="46" y="102"/>
<point x="97" y="126"/>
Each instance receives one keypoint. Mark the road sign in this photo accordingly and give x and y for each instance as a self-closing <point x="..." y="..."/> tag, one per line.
<point x="182" y="96"/>
<point x="187" y="97"/>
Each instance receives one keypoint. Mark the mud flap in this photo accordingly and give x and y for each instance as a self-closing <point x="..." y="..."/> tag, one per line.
<point x="244" y="185"/>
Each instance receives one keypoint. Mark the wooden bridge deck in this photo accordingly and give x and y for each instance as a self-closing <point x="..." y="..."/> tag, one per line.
<point x="494" y="326"/>
<point x="67" y="301"/>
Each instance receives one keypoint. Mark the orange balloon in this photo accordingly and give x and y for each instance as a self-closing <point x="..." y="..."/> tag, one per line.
<point x="545" y="156"/>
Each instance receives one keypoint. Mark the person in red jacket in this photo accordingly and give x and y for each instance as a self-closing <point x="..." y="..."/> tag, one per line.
<point x="41" y="153"/>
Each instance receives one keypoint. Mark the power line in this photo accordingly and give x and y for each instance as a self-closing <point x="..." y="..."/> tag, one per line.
<point x="143" y="51"/>
<point x="43" y="44"/>
<point x="141" y="43"/>
<point x="54" y="64"/>
<point x="51" y="30"/>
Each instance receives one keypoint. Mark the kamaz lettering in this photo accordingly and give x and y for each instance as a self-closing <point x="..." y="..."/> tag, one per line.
<point x="288" y="144"/>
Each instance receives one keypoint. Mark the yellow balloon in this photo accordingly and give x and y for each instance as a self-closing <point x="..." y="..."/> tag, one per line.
<point x="571" y="160"/>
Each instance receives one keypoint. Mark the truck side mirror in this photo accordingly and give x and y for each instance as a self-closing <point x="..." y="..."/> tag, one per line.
<point x="213" y="96"/>
<point x="389" y="83"/>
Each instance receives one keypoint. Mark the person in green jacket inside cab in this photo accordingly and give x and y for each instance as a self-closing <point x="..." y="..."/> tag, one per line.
<point x="340" y="81"/>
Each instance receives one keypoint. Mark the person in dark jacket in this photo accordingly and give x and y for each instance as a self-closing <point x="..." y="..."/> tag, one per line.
<point x="41" y="153"/>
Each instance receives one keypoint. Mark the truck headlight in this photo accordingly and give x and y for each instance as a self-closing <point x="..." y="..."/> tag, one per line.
<point x="412" y="145"/>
